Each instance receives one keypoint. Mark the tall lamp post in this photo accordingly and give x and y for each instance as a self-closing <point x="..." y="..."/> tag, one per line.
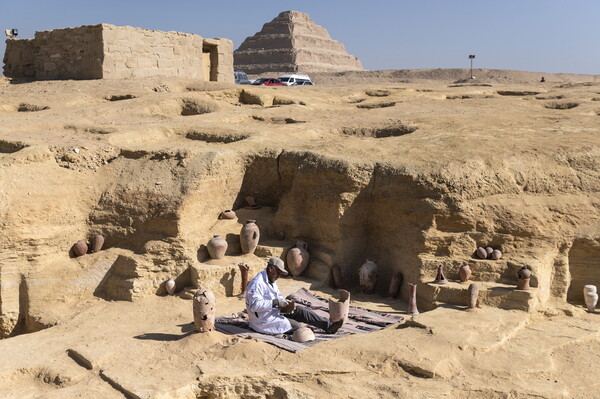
<point x="471" y="57"/>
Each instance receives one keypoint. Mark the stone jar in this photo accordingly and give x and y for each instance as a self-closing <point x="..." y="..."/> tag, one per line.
<point x="464" y="273"/>
<point x="473" y="295"/>
<point x="80" y="248"/>
<point x="297" y="258"/>
<point x="217" y="247"/>
<point x="244" y="271"/>
<point x="227" y="214"/>
<point x="496" y="254"/>
<point x="98" y="243"/>
<point x="204" y="310"/>
<point x="395" y="285"/>
<point x="170" y="286"/>
<point x="336" y="274"/>
<point x="338" y="310"/>
<point x="482" y="253"/>
<point x="440" y="278"/>
<point x="367" y="274"/>
<point x="590" y="295"/>
<point x="249" y="236"/>
<point x="523" y="275"/>
<point x="412" y="299"/>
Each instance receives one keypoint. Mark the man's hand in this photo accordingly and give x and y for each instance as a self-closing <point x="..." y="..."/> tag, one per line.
<point x="280" y="303"/>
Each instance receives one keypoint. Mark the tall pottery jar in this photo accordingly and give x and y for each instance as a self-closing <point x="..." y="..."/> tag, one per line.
<point x="367" y="274"/>
<point x="297" y="258"/>
<point x="249" y="236"/>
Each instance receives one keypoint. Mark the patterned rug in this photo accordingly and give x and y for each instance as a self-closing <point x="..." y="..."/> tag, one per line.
<point x="360" y="321"/>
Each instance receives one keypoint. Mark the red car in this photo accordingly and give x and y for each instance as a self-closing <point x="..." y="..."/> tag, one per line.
<point x="268" y="82"/>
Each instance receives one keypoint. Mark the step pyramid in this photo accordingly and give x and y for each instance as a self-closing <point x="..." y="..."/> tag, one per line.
<point x="292" y="42"/>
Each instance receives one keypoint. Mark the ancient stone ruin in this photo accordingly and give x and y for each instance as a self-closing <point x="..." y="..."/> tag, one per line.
<point x="107" y="51"/>
<point x="292" y="42"/>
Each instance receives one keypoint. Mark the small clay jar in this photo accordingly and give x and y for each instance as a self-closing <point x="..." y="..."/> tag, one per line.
<point x="249" y="236"/>
<point x="217" y="247"/>
<point x="395" y="285"/>
<point x="297" y="258"/>
<point x="367" y="274"/>
<point x="481" y="253"/>
<point x="440" y="278"/>
<point x="204" y="308"/>
<point x="170" y="286"/>
<point x="489" y="251"/>
<point x="80" y="248"/>
<point x="227" y="214"/>
<point x="464" y="273"/>
<point x="473" y="295"/>
<point x="496" y="254"/>
<point x="412" y="299"/>
<point x="336" y="274"/>
<point x="338" y="310"/>
<point x="98" y="243"/>
<point x="523" y="275"/>
<point x="590" y="296"/>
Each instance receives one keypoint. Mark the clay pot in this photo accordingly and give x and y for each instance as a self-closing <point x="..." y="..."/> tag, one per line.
<point x="170" y="286"/>
<point x="80" y="248"/>
<point x="473" y="294"/>
<point x="590" y="295"/>
<point x="303" y="334"/>
<point x="297" y="258"/>
<point x="217" y="247"/>
<point x="251" y="203"/>
<point x="336" y="273"/>
<point x="367" y="274"/>
<point x="464" y="273"/>
<point x="338" y="310"/>
<point x="395" y="285"/>
<point x="227" y="214"/>
<point x="489" y="251"/>
<point x="98" y="241"/>
<point x="523" y="275"/>
<point x="204" y="310"/>
<point x="244" y="270"/>
<point x="496" y="254"/>
<point x="249" y="236"/>
<point x="440" y="278"/>
<point x="412" y="299"/>
<point x="482" y="253"/>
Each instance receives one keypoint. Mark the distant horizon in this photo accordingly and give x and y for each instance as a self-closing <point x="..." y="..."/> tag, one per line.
<point x="549" y="36"/>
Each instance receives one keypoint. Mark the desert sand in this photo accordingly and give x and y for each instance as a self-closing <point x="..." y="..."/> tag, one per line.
<point x="408" y="167"/>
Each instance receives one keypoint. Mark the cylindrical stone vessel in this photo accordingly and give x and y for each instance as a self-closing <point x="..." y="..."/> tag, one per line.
<point x="204" y="310"/>
<point x="80" y="248"/>
<point x="217" y="247"/>
<point x="590" y="295"/>
<point x="249" y="236"/>
<point x="227" y="214"/>
<point x="412" y="299"/>
<point x="98" y="243"/>
<point x="473" y="295"/>
<point x="338" y="310"/>
<point x="297" y="258"/>
<point x="336" y="274"/>
<point x="367" y="274"/>
<point x="395" y="285"/>
<point x="523" y="275"/>
<point x="464" y="273"/>
<point x="170" y="286"/>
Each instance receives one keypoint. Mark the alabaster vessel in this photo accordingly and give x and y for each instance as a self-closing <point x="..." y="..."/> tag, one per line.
<point x="590" y="295"/>
<point x="412" y="299"/>
<point x="204" y="310"/>
<point x="249" y="236"/>
<point x="227" y="214"/>
<point x="367" y="274"/>
<point x="523" y="275"/>
<point x="473" y="295"/>
<point x="338" y="310"/>
<point x="482" y="253"/>
<point x="440" y="278"/>
<point x="80" y="248"/>
<point x="217" y="247"/>
<point x="170" y="286"/>
<point x="244" y="271"/>
<point x="303" y="334"/>
<point x="98" y="243"/>
<point x="464" y="273"/>
<point x="297" y="258"/>
<point x="395" y="285"/>
<point x="336" y="274"/>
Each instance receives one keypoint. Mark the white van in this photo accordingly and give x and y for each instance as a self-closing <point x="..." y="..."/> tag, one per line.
<point x="293" y="79"/>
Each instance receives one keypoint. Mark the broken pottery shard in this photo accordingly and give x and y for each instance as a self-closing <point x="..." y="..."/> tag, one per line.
<point x="590" y="295"/>
<point x="338" y="310"/>
<point x="80" y="248"/>
<point x="297" y="258"/>
<point x="217" y="247"/>
<point x="170" y="286"/>
<point x="204" y="310"/>
<point x="395" y="285"/>
<point x="249" y="236"/>
<point x="367" y="274"/>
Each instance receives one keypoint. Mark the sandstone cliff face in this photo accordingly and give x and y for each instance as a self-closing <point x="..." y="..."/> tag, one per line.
<point x="293" y="42"/>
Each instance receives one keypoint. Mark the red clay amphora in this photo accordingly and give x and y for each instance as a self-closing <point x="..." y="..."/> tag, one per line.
<point x="249" y="236"/>
<point x="297" y="258"/>
<point x="464" y="273"/>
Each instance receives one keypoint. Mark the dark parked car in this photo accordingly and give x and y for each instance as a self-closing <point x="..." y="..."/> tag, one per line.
<point x="268" y="82"/>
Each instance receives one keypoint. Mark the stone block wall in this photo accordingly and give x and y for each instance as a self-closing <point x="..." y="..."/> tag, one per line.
<point x="18" y="58"/>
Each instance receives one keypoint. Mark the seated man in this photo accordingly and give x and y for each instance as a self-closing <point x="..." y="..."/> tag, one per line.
<point x="264" y="301"/>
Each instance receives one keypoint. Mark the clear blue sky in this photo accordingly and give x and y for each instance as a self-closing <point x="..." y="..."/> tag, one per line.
<point x="530" y="35"/>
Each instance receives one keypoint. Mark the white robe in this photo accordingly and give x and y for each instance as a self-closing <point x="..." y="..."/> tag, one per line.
<point x="264" y="318"/>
